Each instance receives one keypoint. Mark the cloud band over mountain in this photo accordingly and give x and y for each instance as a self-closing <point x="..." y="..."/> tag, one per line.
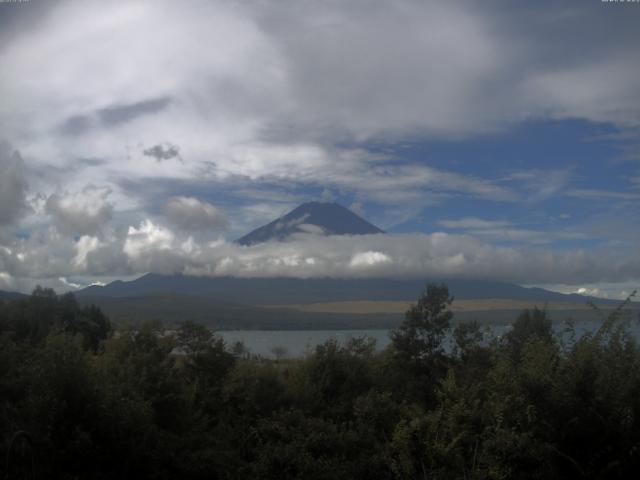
<point x="152" y="248"/>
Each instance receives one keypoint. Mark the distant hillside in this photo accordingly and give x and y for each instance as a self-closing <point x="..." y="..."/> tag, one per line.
<point x="312" y="217"/>
<point x="282" y="291"/>
<point x="10" y="295"/>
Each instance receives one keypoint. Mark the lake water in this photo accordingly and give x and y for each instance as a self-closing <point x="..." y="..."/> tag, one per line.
<point x="299" y="342"/>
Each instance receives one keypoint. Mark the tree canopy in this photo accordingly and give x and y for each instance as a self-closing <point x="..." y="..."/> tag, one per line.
<point x="444" y="400"/>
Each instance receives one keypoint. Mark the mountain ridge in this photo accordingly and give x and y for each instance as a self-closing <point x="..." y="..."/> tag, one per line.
<point x="10" y="295"/>
<point x="290" y="290"/>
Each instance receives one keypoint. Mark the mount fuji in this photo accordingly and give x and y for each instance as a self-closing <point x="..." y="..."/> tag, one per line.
<point x="311" y="217"/>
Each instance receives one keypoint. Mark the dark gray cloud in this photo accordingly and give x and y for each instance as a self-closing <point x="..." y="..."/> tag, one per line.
<point x="453" y="69"/>
<point x="83" y="213"/>
<point x="18" y="18"/>
<point x="113" y="116"/>
<point x="13" y="185"/>
<point x="163" y="151"/>
<point x="119" y="114"/>
<point x="77" y="125"/>
<point x="90" y="162"/>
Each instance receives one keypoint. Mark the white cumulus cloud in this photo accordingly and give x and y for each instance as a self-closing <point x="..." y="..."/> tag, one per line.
<point x="369" y="259"/>
<point x="86" y="212"/>
<point x="191" y="214"/>
<point x="147" y="237"/>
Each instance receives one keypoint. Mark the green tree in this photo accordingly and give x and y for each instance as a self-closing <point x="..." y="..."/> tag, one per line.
<point x="530" y="323"/>
<point x="417" y="358"/>
<point x="279" y="352"/>
<point x="334" y="375"/>
<point x="35" y="317"/>
<point x="420" y="336"/>
<point x="205" y="364"/>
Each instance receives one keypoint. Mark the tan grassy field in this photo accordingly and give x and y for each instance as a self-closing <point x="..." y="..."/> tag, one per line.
<point x="482" y="305"/>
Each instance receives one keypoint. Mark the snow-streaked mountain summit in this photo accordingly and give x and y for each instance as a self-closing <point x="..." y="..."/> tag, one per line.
<point x="312" y="217"/>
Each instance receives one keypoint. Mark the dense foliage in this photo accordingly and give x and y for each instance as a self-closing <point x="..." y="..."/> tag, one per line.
<point x="80" y="401"/>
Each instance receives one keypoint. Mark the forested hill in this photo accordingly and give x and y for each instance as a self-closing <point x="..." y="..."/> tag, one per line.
<point x="4" y="295"/>
<point x="282" y="290"/>
<point x="80" y="401"/>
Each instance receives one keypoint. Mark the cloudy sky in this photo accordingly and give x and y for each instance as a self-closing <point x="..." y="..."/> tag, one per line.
<point x="491" y="140"/>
